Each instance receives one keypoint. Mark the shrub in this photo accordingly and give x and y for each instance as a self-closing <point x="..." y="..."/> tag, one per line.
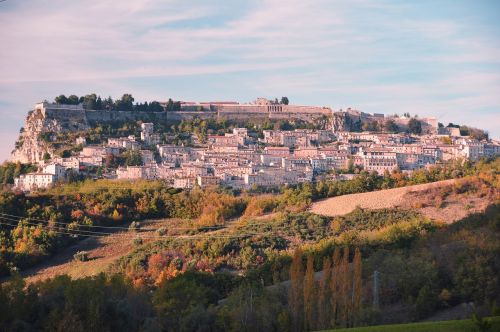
<point x="81" y="256"/>
<point x="161" y="231"/>
<point x="138" y="241"/>
<point x="134" y="225"/>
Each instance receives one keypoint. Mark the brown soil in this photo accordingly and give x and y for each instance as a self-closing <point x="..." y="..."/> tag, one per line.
<point x="381" y="199"/>
<point x="438" y="200"/>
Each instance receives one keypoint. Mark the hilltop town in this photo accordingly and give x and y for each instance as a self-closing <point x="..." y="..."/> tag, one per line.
<point x="266" y="143"/>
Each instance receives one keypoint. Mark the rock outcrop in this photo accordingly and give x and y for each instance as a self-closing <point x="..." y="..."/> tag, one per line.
<point x="32" y="144"/>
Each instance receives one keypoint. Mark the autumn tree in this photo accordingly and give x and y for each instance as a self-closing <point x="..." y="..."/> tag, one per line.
<point x="358" y="283"/>
<point x="345" y="287"/>
<point x="296" y="293"/>
<point x="334" y="287"/>
<point x="309" y="295"/>
<point x="324" y="295"/>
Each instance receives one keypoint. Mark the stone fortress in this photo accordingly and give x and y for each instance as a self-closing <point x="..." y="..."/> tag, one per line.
<point x="50" y="117"/>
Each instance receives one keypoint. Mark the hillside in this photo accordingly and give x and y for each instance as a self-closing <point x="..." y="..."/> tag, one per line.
<point x="446" y="201"/>
<point x="380" y="199"/>
<point x="220" y="245"/>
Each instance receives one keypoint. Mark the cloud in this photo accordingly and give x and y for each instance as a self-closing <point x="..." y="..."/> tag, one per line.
<point x="380" y="56"/>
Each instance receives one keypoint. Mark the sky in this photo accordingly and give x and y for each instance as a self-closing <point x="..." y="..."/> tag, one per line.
<point x="432" y="58"/>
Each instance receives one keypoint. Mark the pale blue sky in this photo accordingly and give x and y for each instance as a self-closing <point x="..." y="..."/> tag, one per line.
<point x="433" y="58"/>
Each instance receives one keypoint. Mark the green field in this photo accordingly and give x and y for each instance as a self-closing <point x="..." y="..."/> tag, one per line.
<point x="445" y="326"/>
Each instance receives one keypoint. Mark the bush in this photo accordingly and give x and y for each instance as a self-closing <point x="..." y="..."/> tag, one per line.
<point x="138" y="241"/>
<point x="81" y="256"/>
<point x="134" y="225"/>
<point x="161" y="231"/>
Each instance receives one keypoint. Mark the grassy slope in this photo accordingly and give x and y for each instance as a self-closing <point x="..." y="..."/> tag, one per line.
<point x="444" y="326"/>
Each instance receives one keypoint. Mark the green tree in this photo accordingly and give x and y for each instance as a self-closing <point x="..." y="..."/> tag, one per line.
<point x="133" y="158"/>
<point x="61" y="99"/>
<point x="284" y="101"/>
<point x="415" y="126"/>
<point x="90" y="102"/>
<point x="73" y="100"/>
<point x="126" y="103"/>
<point x="390" y="125"/>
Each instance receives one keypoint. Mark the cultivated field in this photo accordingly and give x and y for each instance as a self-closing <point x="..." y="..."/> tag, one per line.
<point x="389" y="198"/>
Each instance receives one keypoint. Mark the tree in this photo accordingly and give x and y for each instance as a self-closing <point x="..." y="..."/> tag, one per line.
<point x="415" y="126"/>
<point x="133" y="158"/>
<point x="98" y="103"/>
<point x="155" y="106"/>
<point x="324" y="295"/>
<point x="296" y="293"/>
<point x="73" y="100"/>
<point x="90" y="102"/>
<point x="108" y="104"/>
<point x="345" y="284"/>
<point x="391" y="126"/>
<point x="358" y="283"/>
<point x="126" y="103"/>
<point x="173" y="106"/>
<point x="334" y="287"/>
<point x="284" y="100"/>
<point x="61" y="99"/>
<point x="309" y="295"/>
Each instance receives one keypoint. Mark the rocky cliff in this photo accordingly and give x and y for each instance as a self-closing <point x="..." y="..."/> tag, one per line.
<point x="344" y="121"/>
<point x="40" y="124"/>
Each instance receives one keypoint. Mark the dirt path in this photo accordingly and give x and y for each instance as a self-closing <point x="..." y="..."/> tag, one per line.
<point x="388" y="198"/>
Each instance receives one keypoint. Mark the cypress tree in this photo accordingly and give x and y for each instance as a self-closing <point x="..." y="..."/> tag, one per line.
<point x="296" y="292"/>
<point x="345" y="287"/>
<point x="324" y="294"/>
<point x="358" y="283"/>
<point x="309" y="295"/>
<point x="334" y="287"/>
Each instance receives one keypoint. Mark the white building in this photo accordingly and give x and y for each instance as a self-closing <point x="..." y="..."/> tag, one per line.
<point x="34" y="181"/>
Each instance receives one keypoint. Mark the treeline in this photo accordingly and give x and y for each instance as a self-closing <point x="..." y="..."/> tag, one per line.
<point x="125" y="103"/>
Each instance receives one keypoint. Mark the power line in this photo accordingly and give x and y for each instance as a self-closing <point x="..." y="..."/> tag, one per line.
<point x="173" y="237"/>
<point x="126" y="228"/>
<point x="107" y="227"/>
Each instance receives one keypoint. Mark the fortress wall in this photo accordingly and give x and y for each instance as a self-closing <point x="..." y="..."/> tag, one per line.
<point x="245" y="109"/>
<point x="189" y="115"/>
<point x="70" y="115"/>
<point x="107" y="116"/>
<point x="242" y="115"/>
<point x="307" y="109"/>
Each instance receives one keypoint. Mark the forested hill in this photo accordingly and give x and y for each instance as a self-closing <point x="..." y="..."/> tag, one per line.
<point x="221" y="244"/>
